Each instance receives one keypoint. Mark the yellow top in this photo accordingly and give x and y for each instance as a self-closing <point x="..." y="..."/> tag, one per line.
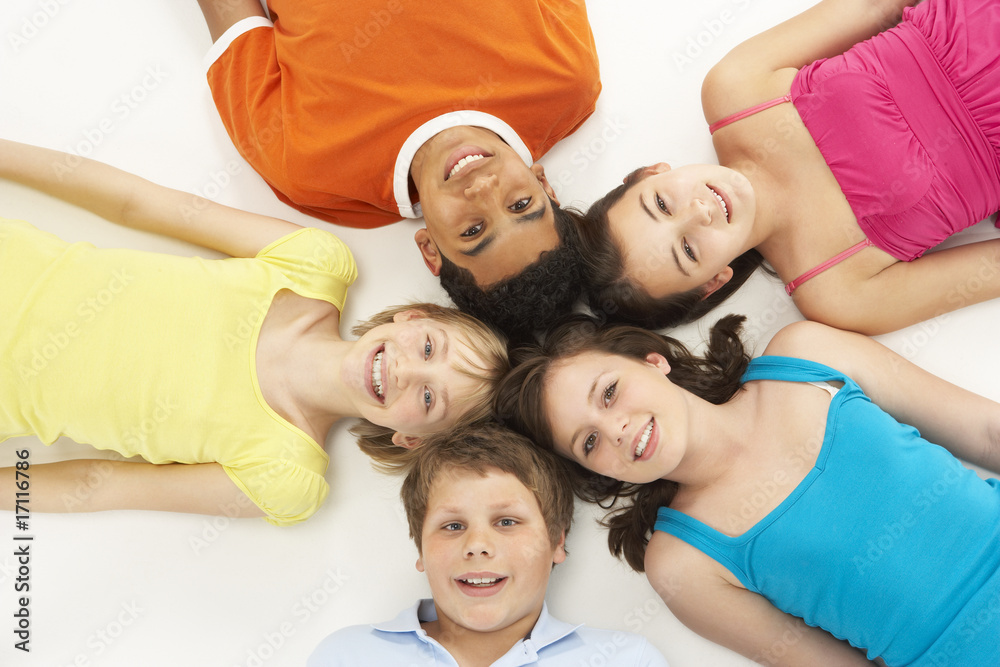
<point x="154" y="355"/>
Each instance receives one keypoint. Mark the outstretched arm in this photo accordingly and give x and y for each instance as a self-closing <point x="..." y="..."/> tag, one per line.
<point x="965" y="423"/>
<point x="749" y="73"/>
<point x="94" y="485"/>
<point x="905" y="293"/>
<point x="129" y="200"/>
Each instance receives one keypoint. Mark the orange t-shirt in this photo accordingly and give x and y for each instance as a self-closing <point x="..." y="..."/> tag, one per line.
<point x="321" y="103"/>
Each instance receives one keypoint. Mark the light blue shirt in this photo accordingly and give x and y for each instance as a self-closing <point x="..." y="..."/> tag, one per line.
<point x="401" y="642"/>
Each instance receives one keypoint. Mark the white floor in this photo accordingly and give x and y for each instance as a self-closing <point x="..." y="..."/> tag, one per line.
<point x="123" y="82"/>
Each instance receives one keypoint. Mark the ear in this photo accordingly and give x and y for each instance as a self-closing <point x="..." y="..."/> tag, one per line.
<point x="717" y="281"/>
<point x="658" y="168"/>
<point x="408" y="314"/>
<point x="405" y="441"/>
<point x="559" y="553"/>
<point x="429" y="250"/>
<point x="659" y="362"/>
<point x="420" y="563"/>
<point x="539" y="172"/>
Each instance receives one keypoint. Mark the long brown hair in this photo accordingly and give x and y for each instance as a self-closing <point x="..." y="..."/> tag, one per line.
<point x="615" y="298"/>
<point x="715" y="377"/>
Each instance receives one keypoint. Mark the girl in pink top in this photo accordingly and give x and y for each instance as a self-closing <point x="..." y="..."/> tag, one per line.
<point x="839" y="165"/>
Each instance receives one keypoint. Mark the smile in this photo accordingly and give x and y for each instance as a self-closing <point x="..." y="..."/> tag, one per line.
<point x="462" y="164"/>
<point x="644" y="440"/>
<point x="722" y="202"/>
<point x="377" y="386"/>
<point x="480" y="582"/>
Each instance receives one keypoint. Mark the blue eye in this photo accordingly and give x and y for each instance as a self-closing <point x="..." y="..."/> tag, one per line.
<point x="454" y="525"/>
<point x="427" y="399"/>
<point x="428" y="349"/>
<point x="507" y="523"/>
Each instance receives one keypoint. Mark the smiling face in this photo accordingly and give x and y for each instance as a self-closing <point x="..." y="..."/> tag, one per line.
<point x="485" y="210"/>
<point x="408" y="375"/>
<point x="486" y="551"/>
<point x="617" y="416"/>
<point x="678" y="229"/>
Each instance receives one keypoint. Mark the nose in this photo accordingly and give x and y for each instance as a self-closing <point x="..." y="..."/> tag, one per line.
<point x="405" y="371"/>
<point x="700" y="211"/>
<point x="481" y="186"/>
<point x="617" y="425"/>
<point x="478" y="543"/>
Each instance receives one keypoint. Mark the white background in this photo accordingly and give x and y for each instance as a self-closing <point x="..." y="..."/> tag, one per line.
<point x="123" y="82"/>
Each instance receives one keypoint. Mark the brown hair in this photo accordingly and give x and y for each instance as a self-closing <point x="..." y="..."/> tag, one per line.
<point x="376" y="441"/>
<point x="482" y="448"/>
<point x="716" y="377"/>
<point x="614" y="297"/>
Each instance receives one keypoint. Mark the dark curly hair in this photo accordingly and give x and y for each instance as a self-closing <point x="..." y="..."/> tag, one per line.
<point x="532" y="300"/>
<point x="612" y="295"/>
<point x="715" y="377"/>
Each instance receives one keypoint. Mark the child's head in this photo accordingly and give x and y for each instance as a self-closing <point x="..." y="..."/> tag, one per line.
<point x="531" y="299"/>
<point x="687" y="263"/>
<point x="536" y="400"/>
<point x="431" y="369"/>
<point x="489" y="514"/>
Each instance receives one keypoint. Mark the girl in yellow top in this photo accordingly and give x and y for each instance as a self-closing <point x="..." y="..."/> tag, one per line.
<point x="235" y="367"/>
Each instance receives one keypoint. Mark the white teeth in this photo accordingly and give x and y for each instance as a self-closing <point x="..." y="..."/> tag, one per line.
<point x="481" y="582"/>
<point x="464" y="161"/>
<point x="644" y="440"/>
<point x="377" y="374"/>
<point x="722" y="203"/>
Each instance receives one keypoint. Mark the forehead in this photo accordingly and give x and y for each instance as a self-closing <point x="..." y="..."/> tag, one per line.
<point x="456" y="489"/>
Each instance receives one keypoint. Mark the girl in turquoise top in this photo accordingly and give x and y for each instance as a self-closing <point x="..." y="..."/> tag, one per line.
<point x="234" y="366"/>
<point x="796" y="522"/>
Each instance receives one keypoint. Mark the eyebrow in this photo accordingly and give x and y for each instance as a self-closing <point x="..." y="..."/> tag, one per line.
<point x="528" y="217"/>
<point x="444" y="354"/>
<point x="673" y="250"/>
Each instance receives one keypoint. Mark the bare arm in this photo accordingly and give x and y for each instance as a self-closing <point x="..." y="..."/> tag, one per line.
<point x="906" y="293"/>
<point x="747" y="74"/>
<point x="729" y="615"/>
<point x="94" y="485"/>
<point x="965" y="423"/>
<point x="132" y="201"/>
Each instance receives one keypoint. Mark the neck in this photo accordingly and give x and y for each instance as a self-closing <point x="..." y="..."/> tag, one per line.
<point x="474" y="649"/>
<point x="717" y="438"/>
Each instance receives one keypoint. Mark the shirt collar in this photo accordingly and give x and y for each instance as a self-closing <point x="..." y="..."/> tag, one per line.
<point x="401" y="172"/>
<point x="548" y="629"/>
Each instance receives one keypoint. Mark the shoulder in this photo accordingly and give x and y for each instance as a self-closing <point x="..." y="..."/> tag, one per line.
<point x="615" y="647"/>
<point x="361" y="644"/>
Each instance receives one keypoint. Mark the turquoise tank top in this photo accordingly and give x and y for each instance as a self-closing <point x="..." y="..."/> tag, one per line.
<point x="889" y="542"/>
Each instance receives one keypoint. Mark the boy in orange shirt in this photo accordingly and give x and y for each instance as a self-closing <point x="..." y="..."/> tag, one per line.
<point x="363" y="113"/>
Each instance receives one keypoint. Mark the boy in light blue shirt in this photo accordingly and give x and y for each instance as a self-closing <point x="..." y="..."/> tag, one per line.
<point x="489" y="513"/>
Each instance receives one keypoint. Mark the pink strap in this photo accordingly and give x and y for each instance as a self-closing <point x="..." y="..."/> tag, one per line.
<point x="813" y="272"/>
<point x="740" y="115"/>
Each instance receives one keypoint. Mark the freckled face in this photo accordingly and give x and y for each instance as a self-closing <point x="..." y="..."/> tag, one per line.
<point x="486" y="552"/>
<point x="485" y="209"/>
<point x="617" y="416"/>
<point x="678" y="229"/>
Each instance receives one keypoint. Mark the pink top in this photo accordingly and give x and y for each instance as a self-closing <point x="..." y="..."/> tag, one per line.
<point x="907" y="122"/>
